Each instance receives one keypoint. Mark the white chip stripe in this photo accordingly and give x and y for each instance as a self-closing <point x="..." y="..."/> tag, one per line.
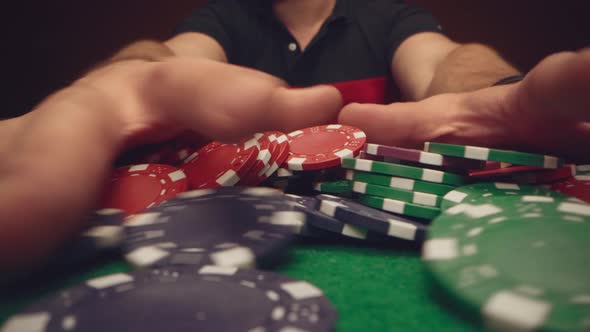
<point x="301" y="290"/>
<point x="550" y="162"/>
<point x="177" y="175"/>
<point x="580" y="209"/>
<point x="359" y="134"/>
<point x="33" y="322"/>
<point x="216" y="269"/>
<point x="455" y="196"/>
<point x="432" y="175"/>
<point x="583" y="168"/>
<point x="440" y="249"/>
<point x="334" y="126"/>
<point x="354" y="231"/>
<point x="402" y="183"/>
<point x="296" y="133"/>
<point x="296" y="164"/>
<point x="344" y="153"/>
<point x="372" y="148"/>
<point x="401" y="230"/>
<point x="238" y="256"/>
<point x="506" y="186"/>
<point x="425" y="199"/>
<point x="138" y="168"/>
<point x="431" y="158"/>
<point x="110" y="281"/>
<point x="229" y="179"/>
<point x="146" y="256"/>
<point x="359" y="187"/>
<point x="507" y="310"/>
<point x="394" y="206"/>
<point x="363" y="165"/>
<point x="282" y="139"/>
<point x="474" y="152"/>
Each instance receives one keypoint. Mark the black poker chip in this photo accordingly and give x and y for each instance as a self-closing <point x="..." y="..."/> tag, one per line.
<point x="388" y="224"/>
<point x="241" y="227"/>
<point x="182" y="299"/>
<point x="103" y="233"/>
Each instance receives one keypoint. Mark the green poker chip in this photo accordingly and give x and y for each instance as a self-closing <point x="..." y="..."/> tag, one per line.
<point x="418" y="173"/>
<point x="334" y="187"/>
<point x="486" y="190"/>
<point x="398" y="182"/>
<point x="524" y="268"/>
<point x="482" y="153"/>
<point x="397" y="194"/>
<point x="400" y="207"/>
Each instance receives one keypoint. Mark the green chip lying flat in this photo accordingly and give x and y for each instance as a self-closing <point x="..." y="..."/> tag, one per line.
<point x="507" y="156"/>
<point x="424" y="174"/>
<point x="517" y="270"/>
<point x="477" y="192"/>
<point x="397" y="194"/>
<point x="400" y="183"/>
<point x="334" y="187"/>
<point x="400" y="207"/>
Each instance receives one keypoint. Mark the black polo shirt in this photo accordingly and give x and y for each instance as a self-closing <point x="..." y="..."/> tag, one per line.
<point x="352" y="51"/>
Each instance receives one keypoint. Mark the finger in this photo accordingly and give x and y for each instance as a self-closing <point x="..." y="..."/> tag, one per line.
<point x="227" y="102"/>
<point x="398" y="124"/>
<point x="557" y="88"/>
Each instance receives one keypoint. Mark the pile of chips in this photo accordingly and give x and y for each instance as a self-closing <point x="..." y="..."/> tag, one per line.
<point x="203" y="224"/>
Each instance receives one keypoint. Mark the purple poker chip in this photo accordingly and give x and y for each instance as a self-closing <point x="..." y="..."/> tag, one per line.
<point x="182" y="299"/>
<point x="422" y="157"/>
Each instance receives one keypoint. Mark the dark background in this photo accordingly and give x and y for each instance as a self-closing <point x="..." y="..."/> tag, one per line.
<point x="51" y="43"/>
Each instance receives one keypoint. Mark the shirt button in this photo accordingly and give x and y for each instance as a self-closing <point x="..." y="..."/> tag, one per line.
<point x="292" y="47"/>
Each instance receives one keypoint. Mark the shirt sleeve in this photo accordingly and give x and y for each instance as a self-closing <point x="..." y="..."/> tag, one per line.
<point x="408" y="20"/>
<point x="214" y="20"/>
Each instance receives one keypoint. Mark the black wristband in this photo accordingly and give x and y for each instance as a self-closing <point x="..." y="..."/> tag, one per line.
<point x="509" y="80"/>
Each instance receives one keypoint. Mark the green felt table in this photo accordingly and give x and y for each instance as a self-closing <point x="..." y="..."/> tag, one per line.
<point x="373" y="288"/>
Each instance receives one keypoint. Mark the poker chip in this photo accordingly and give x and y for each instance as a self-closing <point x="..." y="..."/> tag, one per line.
<point x="226" y="227"/>
<point x="482" y="153"/>
<point x="210" y="298"/>
<point x="519" y="269"/>
<point x="400" y="207"/>
<point x="323" y="146"/>
<point x="220" y="165"/>
<point x="103" y="233"/>
<point x="334" y="187"/>
<point x="583" y="170"/>
<point x="397" y="194"/>
<point x="423" y="174"/>
<point x="261" y="164"/>
<point x="138" y="187"/>
<point x="381" y="222"/>
<point x="280" y="154"/>
<point x="398" y="182"/>
<point x="422" y="157"/>
<point x="578" y="187"/>
<point x="478" y="192"/>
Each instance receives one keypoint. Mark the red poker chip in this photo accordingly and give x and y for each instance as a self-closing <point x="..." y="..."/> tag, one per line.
<point x="262" y="160"/>
<point x="220" y="165"/>
<point x="138" y="187"/>
<point x="280" y="146"/>
<point x="526" y="174"/>
<point x="578" y="187"/>
<point x="323" y="146"/>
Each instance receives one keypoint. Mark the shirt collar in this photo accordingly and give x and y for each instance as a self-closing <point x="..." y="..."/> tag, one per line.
<point x="342" y="10"/>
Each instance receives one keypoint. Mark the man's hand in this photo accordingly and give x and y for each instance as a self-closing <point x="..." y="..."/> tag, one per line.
<point x="548" y="112"/>
<point x="56" y="159"/>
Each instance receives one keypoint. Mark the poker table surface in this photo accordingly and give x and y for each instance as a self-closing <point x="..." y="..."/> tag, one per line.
<point x="373" y="288"/>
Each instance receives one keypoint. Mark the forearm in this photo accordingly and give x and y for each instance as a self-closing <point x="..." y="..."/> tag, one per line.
<point x="469" y="67"/>
<point x="36" y="216"/>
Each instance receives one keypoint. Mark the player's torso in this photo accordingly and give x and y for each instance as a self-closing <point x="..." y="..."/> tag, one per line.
<point x="350" y="51"/>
